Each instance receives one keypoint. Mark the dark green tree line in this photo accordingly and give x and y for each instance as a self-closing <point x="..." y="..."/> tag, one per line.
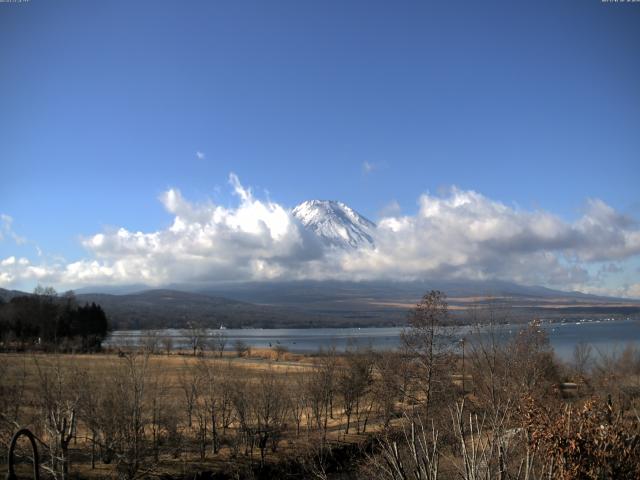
<point x="47" y="319"/>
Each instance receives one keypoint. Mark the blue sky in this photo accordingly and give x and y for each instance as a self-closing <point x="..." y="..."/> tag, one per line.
<point x="103" y="106"/>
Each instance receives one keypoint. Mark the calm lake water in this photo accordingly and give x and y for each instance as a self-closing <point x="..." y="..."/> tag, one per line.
<point x="604" y="335"/>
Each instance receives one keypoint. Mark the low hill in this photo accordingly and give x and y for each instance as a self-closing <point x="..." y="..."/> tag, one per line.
<point x="177" y="309"/>
<point x="392" y="300"/>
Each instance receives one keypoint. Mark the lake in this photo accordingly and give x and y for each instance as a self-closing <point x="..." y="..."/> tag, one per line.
<point x="604" y="335"/>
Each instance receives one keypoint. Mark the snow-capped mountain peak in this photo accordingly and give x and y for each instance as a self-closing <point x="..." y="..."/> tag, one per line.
<point x="335" y="223"/>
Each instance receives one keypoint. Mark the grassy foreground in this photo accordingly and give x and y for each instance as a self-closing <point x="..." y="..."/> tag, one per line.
<point x="507" y="409"/>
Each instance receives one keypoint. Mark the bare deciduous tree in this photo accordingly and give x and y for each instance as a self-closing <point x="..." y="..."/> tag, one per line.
<point x="195" y="336"/>
<point x="413" y="456"/>
<point x="298" y="401"/>
<point x="242" y="348"/>
<point x="532" y="369"/>
<point x="219" y="342"/>
<point x="280" y="351"/>
<point x="13" y="382"/>
<point x="189" y="381"/>
<point x="129" y="383"/>
<point x="58" y="402"/>
<point x="270" y="408"/>
<point x="582" y="359"/>
<point x="167" y="343"/>
<point x="151" y="341"/>
<point x="354" y="380"/>
<point x="429" y="339"/>
<point x="488" y="363"/>
<point x="321" y="389"/>
<point x="388" y="388"/>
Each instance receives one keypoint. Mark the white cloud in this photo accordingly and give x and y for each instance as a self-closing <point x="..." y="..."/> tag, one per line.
<point x="6" y="230"/>
<point x="200" y="155"/>
<point x="14" y="270"/>
<point x="464" y="234"/>
<point x="368" y="167"/>
<point x="8" y="261"/>
<point x="458" y="234"/>
<point x="205" y="242"/>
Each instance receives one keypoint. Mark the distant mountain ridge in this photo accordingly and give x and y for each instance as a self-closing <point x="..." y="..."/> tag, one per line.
<point x="304" y="304"/>
<point x="392" y="300"/>
<point x="165" y="308"/>
<point x="168" y="308"/>
<point x="7" y="295"/>
<point x="335" y="223"/>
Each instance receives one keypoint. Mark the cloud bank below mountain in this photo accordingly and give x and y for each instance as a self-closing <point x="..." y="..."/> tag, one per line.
<point x="460" y="234"/>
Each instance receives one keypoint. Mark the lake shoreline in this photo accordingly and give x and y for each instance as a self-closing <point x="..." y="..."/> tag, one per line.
<point x="604" y="334"/>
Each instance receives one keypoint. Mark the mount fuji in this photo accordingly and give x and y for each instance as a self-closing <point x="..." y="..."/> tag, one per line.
<point x="335" y="223"/>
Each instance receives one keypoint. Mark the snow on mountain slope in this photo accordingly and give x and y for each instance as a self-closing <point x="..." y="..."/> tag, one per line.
<point x="335" y="223"/>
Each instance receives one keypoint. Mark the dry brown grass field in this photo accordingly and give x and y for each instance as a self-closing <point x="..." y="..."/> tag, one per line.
<point x="170" y="380"/>
<point x="142" y="413"/>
